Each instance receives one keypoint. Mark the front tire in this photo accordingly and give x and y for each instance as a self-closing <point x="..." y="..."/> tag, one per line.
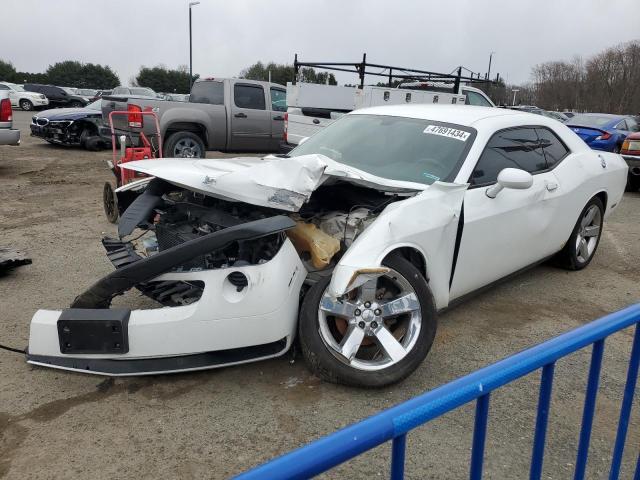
<point x="585" y="237"/>
<point x="375" y="335"/>
<point x="184" y="145"/>
<point x="26" y="105"/>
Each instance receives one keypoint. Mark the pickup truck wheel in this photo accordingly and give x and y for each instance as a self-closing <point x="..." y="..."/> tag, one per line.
<point x="184" y="145"/>
<point x="26" y="105"/>
<point x="375" y="335"/>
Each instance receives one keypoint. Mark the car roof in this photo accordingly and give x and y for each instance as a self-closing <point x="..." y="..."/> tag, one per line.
<point x="466" y="115"/>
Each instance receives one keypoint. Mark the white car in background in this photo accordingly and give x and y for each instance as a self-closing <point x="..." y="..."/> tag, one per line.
<point x="376" y="223"/>
<point x="20" y="98"/>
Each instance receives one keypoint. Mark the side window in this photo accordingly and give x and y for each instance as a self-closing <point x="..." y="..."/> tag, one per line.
<point x="554" y="149"/>
<point x="513" y="148"/>
<point x="474" y="98"/>
<point x="249" y="96"/>
<point x="622" y="126"/>
<point x="632" y="124"/>
<point x="207" y="92"/>
<point x="278" y="100"/>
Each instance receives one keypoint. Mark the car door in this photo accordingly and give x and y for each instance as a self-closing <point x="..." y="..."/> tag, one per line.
<point x="507" y="233"/>
<point x="278" y="109"/>
<point x="250" y="119"/>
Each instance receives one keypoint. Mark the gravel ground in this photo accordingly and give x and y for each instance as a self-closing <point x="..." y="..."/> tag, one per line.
<point x="213" y="424"/>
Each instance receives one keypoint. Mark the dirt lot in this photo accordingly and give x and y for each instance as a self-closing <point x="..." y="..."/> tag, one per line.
<point x="216" y="423"/>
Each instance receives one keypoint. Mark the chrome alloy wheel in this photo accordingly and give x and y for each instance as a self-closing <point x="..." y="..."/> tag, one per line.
<point x="374" y="326"/>
<point x="588" y="233"/>
<point x="187" y="148"/>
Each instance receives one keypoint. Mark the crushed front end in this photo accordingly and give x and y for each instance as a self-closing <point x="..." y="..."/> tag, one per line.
<point x="226" y="277"/>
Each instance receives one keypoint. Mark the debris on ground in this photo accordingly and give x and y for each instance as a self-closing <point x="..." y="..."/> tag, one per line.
<point x="11" y="258"/>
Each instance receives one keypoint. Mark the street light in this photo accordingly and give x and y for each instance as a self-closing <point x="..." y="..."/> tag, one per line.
<point x="191" y="4"/>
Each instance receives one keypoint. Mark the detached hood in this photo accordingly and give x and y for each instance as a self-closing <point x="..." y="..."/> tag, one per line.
<point x="55" y="114"/>
<point x="275" y="182"/>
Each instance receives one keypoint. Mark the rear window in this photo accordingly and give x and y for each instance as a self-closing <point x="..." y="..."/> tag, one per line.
<point x="207" y="92"/>
<point x="590" y="120"/>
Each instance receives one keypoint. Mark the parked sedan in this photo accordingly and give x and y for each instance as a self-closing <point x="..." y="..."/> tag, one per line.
<point x="631" y="153"/>
<point x="602" y="131"/>
<point x="69" y="126"/>
<point x="58" y="96"/>
<point x="372" y="226"/>
<point x="21" y="98"/>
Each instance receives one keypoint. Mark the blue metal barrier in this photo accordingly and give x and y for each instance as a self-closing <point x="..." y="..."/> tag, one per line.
<point x="394" y="424"/>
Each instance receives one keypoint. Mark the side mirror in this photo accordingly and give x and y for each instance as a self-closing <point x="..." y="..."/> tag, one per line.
<point x="302" y="140"/>
<point x="510" y="178"/>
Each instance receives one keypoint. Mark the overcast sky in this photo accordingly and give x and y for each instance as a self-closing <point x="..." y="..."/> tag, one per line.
<point x="229" y="35"/>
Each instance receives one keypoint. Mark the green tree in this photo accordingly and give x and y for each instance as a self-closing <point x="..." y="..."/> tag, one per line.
<point x="82" y="75"/>
<point x="7" y="71"/>
<point x="282" y="73"/>
<point x="162" y="79"/>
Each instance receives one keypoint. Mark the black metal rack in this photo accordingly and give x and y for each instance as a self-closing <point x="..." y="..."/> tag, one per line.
<point x="360" y="68"/>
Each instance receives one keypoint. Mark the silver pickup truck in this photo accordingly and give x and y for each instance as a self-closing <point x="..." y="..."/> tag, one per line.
<point x="8" y="135"/>
<point x="222" y="114"/>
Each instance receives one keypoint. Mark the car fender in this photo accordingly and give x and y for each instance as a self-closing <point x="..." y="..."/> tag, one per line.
<point x="183" y="116"/>
<point x="427" y="222"/>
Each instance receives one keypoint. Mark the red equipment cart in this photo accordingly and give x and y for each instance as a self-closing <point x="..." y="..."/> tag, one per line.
<point x="146" y="148"/>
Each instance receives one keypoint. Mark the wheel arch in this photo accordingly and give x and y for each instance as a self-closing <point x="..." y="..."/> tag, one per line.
<point x="413" y="255"/>
<point x="193" y="127"/>
<point x="602" y="195"/>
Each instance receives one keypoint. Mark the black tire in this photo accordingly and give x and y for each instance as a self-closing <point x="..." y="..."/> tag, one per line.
<point x="26" y="105"/>
<point x="633" y="183"/>
<point x="76" y="105"/>
<point x="568" y="257"/>
<point x="193" y="146"/>
<point x="325" y="365"/>
<point x="110" y="203"/>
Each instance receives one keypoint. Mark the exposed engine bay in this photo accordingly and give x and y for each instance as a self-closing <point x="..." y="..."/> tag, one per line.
<point x="324" y="228"/>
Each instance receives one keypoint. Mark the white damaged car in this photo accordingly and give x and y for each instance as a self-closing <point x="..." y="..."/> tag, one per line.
<point x="352" y="244"/>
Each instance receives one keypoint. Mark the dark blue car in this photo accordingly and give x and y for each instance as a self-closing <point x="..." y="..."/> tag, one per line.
<point x="602" y="131"/>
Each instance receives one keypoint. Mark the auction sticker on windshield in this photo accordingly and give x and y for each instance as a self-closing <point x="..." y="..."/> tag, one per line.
<point x="447" y="132"/>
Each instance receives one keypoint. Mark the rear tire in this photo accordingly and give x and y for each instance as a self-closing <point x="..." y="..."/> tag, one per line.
<point x="26" y="105"/>
<point x="374" y="361"/>
<point x="585" y="237"/>
<point x="184" y="145"/>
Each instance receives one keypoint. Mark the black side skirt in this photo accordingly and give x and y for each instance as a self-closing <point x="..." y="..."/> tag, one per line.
<point x="197" y="361"/>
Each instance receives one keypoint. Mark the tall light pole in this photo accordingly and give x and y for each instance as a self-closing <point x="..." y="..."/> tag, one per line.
<point x="191" y="4"/>
<point x="515" y="90"/>
<point x="489" y="70"/>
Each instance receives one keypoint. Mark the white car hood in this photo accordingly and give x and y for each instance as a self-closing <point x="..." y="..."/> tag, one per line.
<point x="275" y="182"/>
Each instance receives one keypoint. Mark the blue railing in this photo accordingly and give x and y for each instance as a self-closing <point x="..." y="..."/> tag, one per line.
<point x="394" y="424"/>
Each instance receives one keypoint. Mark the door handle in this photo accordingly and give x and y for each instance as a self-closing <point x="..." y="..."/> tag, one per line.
<point x="279" y="117"/>
<point x="551" y="186"/>
<point x="240" y="115"/>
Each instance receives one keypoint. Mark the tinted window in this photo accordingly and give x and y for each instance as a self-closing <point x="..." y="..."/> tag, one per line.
<point x="621" y="126"/>
<point x="398" y="148"/>
<point x="207" y="92"/>
<point x="515" y="148"/>
<point x="554" y="149"/>
<point x="249" y="96"/>
<point x="474" y="98"/>
<point x="278" y="100"/>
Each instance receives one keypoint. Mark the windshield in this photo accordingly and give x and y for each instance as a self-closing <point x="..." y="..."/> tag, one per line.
<point x="397" y="148"/>
<point x="17" y="88"/>
<point x="590" y="120"/>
